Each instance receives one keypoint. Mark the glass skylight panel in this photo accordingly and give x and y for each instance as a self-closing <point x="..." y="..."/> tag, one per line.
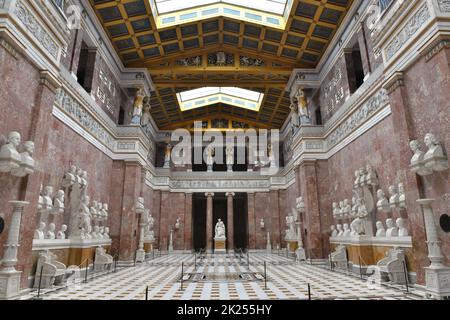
<point x="205" y="96"/>
<point x="272" y="6"/>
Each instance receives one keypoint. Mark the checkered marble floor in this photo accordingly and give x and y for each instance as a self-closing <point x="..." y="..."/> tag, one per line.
<point x="286" y="280"/>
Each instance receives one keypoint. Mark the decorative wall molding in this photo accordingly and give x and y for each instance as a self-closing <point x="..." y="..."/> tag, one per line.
<point x="79" y="114"/>
<point x="9" y="48"/>
<point x="34" y="28"/>
<point x="358" y="117"/>
<point x="444" y="5"/>
<point x="408" y="31"/>
<point x="436" y="48"/>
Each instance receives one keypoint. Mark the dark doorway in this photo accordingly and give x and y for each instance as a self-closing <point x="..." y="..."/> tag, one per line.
<point x="240" y="221"/>
<point x="199" y="221"/>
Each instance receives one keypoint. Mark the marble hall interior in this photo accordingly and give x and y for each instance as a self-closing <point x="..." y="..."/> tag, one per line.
<point x="224" y="149"/>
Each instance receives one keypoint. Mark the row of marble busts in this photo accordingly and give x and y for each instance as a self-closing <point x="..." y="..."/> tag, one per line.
<point x="95" y="233"/>
<point x="75" y="176"/>
<point x="99" y="211"/>
<point x="13" y="162"/>
<point x="344" y="210"/>
<point x="365" y="177"/>
<point x="397" y="198"/>
<point x="49" y="203"/>
<point x="41" y="233"/>
<point x="434" y="160"/>
<point x="397" y="229"/>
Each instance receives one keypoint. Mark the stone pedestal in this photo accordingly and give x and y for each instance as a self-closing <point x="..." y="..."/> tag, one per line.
<point x="437" y="275"/>
<point x="9" y="276"/>
<point x="220" y="245"/>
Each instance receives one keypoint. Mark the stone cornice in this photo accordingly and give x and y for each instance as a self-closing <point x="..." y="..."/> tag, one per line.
<point x="394" y="82"/>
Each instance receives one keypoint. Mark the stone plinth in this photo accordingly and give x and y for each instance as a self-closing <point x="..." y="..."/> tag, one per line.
<point x="220" y="245"/>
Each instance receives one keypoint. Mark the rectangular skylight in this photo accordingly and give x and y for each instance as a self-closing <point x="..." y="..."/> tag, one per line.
<point x="271" y="6"/>
<point x="205" y="96"/>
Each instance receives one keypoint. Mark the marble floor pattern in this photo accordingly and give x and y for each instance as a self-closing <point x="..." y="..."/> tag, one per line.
<point x="286" y="280"/>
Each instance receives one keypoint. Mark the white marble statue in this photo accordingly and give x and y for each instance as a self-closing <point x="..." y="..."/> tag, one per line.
<point x="88" y="233"/>
<point x="70" y="177"/>
<point x="10" y="158"/>
<point x="177" y="224"/>
<point x="354" y="211"/>
<point x="219" y="229"/>
<point x="209" y="156"/>
<point x="300" y="205"/>
<point x="50" y="234"/>
<point x="357" y="178"/>
<point x="39" y="233"/>
<point x="347" y="231"/>
<point x="381" y="231"/>
<point x="290" y="224"/>
<point x="27" y="164"/>
<point x="84" y="179"/>
<point x="339" y="230"/>
<point x="346" y="209"/>
<point x="229" y="151"/>
<point x="58" y="202"/>
<point x="393" y="200"/>
<point x="392" y="230"/>
<point x="357" y="227"/>
<point x="401" y="225"/>
<point x="434" y="158"/>
<point x="138" y="106"/>
<point x="401" y="196"/>
<point x="303" y="109"/>
<point x="362" y="177"/>
<point x="334" y="232"/>
<point x="383" y="202"/>
<point x="295" y="120"/>
<point x="261" y="223"/>
<point x="105" y="212"/>
<point x="146" y="115"/>
<point x="93" y="210"/>
<point x="62" y="233"/>
<point x="41" y="203"/>
<point x="341" y="209"/>
<point x="371" y="178"/>
<point x="167" y="154"/>
<point x="85" y="214"/>
<point x="362" y="209"/>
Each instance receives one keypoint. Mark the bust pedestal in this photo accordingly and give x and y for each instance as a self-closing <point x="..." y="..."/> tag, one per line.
<point x="220" y="244"/>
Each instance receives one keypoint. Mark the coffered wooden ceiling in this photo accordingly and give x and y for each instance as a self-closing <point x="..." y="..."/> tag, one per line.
<point x="185" y="56"/>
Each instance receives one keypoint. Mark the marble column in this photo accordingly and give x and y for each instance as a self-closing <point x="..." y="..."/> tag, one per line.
<point x="230" y="221"/>
<point x="209" y="221"/>
<point x="188" y="241"/>
<point x="437" y="275"/>
<point x="9" y="276"/>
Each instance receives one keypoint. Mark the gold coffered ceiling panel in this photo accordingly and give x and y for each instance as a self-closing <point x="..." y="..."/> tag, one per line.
<point x="221" y="51"/>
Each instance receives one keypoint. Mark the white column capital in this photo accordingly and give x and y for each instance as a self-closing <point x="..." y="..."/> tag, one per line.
<point x="230" y="194"/>
<point x="209" y="194"/>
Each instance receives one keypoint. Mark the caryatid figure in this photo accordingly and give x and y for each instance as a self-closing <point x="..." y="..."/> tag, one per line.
<point x="138" y="106"/>
<point x="303" y="107"/>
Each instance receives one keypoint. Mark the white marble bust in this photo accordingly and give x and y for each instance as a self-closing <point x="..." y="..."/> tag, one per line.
<point x="62" y="233"/>
<point x="346" y="208"/>
<point x="334" y="232"/>
<point x="340" y="230"/>
<point x="393" y="200"/>
<point x="381" y="231"/>
<point x="401" y="225"/>
<point x="106" y="233"/>
<point x="96" y="233"/>
<point x="347" y="231"/>
<point x="356" y="182"/>
<point x="58" y="202"/>
<point x="47" y="196"/>
<point x="354" y="210"/>
<point x="336" y="210"/>
<point x="434" y="158"/>
<point x="84" y="178"/>
<point x="10" y="158"/>
<point x="261" y="223"/>
<point x="50" y="234"/>
<point x="383" y="202"/>
<point x="79" y="177"/>
<point x="39" y="232"/>
<point x="417" y="160"/>
<point x="392" y="230"/>
<point x="357" y="227"/>
<point x="362" y="177"/>
<point x="27" y="164"/>
<point x="341" y="208"/>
